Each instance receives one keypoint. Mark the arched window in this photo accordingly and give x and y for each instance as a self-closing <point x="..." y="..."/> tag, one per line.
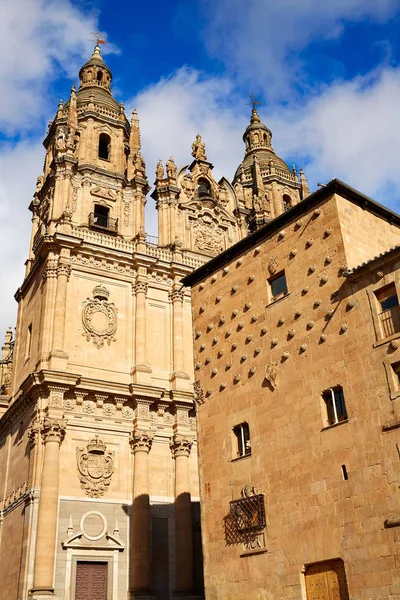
<point x="99" y="76"/>
<point x="287" y="202"/>
<point x="104" y="146"/>
<point x="203" y="188"/>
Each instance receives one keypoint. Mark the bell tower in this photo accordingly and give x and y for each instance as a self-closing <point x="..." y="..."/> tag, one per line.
<point x="96" y="394"/>
<point x="94" y="175"/>
<point x="264" y="184"/>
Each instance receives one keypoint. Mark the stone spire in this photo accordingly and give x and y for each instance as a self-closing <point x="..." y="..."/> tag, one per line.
<point x="304" y="185"/>
<point x="134" y="138"/>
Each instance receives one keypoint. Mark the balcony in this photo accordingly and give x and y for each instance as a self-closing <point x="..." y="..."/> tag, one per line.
<point x="103" y="223"/>
<point x="390" y="320"/>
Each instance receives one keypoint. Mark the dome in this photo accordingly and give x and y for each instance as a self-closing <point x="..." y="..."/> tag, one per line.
<point x="257" y="138"/>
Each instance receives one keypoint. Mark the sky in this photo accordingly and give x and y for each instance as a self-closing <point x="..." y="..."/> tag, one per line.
<point x="327" y="75"/>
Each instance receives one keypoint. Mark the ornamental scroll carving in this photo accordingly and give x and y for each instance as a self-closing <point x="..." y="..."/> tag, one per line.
<point x="95" y="467"/>
<point x="99" y="317"/>
<point x="207" y="235"/>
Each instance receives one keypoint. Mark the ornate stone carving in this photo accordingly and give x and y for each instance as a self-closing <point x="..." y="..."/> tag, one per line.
<point x="271" y="373"/>
<point x="140" y="287"/>
<point x="127" y="212"/>
<point x="104" y="192"/>
<point x="171" y="168"/>
<point x="128" y="412"/>
<point x="95" y="467"/>
<point x="53" y="430"/>
<point x="88" y="407"/>
<point x="199" y="148"/>
<point x="207" y="235"/>
<point x="272" y="265"/>
<point x="141" y="441"/>
<point x="99" y="317"/>
<point x="199" y="397"/>
<point x="64" y="269"/>
<point x="109" y="410"/>
<point x="181" y="445"/>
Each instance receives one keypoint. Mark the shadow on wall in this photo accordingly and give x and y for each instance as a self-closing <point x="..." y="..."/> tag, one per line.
<point x="164" y="553"/>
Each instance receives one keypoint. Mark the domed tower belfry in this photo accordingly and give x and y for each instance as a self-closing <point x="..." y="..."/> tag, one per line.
<point x="265" y="187"/>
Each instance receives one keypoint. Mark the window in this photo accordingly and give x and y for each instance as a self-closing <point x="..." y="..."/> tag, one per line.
<point x="99" y="75"/>
<point x="389" y="314"/>
<point x="203" y="188"/>
<point x="278" y="285"/>
<point x="287" y="202"/>
<point x="101" y="215"/>
<point x="396" y="372"/>
<point x="335" y="406"/>
<point x="28" y="342"/>
<point x="104" y="146"/>
<point x="242" y="439"/>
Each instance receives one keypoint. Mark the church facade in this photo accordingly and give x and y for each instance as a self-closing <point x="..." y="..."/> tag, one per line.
<point x="98" y="445"/>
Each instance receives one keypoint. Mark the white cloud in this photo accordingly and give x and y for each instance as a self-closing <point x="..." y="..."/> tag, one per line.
<point x="260" y="40"/>
<point x="20" y="165"/>
<point x="40" y="41"/>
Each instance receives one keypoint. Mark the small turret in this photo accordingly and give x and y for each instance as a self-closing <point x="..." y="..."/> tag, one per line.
<point x="95" y="72"/>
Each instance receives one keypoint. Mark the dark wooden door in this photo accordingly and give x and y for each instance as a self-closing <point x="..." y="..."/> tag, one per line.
<point x="326" y="581"/>
<point x="91" y="581"/>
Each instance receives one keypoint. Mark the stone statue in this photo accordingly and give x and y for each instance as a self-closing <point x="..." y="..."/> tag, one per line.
<point x="171" y="168"/>
<point x="159" y="170"/>
<point x="61" y="140"/>
<point x="222" y="195"/>
<point x="199" y="148"/>
<point x="39" y="184"/>
<point x="140" y="165"/>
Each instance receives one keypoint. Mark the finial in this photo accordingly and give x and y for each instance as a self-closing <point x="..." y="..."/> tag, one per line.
<point x="60" y="105"/>
<point x="135" y="115"/>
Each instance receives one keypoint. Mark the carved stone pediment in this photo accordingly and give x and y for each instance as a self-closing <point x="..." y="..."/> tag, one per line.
<point x="95" y="467"/>
<point x="99" y="318"/>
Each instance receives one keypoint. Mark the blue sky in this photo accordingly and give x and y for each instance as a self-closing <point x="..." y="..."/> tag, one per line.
<point x="328" y="76"/>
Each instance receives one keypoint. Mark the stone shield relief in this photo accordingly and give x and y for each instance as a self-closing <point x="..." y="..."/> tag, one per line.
<point x="95" y="467"/>
<point x="99" y="318"/>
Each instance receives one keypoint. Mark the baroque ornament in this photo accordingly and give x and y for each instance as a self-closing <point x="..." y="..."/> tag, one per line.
<point x="99" y="317"/>
<point x="95" y="467"/>
<point x="207" y="235"/>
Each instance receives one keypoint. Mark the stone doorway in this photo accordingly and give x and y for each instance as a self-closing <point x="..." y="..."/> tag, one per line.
<point x="91" y="580"/>
<point x="326" y="581"/>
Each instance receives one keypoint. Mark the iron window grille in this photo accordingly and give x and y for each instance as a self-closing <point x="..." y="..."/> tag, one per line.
<point x="248" y="513"/>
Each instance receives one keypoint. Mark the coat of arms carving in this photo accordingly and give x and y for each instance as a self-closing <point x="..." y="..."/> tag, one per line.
<point x="99" y="317"/>
<point x="207" y="235"/>
<point x="95" y="467"/>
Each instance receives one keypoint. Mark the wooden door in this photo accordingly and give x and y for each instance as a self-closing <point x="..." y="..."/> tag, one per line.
<point x="326" y="581"/>
<point x="91" y="581"/>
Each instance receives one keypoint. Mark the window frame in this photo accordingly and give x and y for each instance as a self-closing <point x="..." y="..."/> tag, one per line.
<point x="242" y="442"/>
<point x="331" y="414"/>
<point x="270" y="282"/>
<point x="103" y="137"/>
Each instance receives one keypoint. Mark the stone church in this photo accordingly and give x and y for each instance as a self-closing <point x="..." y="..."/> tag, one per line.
<point x="98" y="450"/>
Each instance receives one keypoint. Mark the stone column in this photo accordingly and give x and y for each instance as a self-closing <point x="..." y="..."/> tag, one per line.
<point x="53" y="433"/>
<point x="49" y="278"/>
<point x="140" y="572"/>
<point x="141" y="365"/>
<point x="58" y="354"/>
<point x="177" y="302"/>
<point x="180" y="447"/>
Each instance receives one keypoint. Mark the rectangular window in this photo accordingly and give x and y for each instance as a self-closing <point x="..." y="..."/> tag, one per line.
<point x="335" y="405"/>
<point x="389" y="311"/>
<point x="278" y="285"/>
<point x="242" y="439"/>
<point x="28" y="342"/>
